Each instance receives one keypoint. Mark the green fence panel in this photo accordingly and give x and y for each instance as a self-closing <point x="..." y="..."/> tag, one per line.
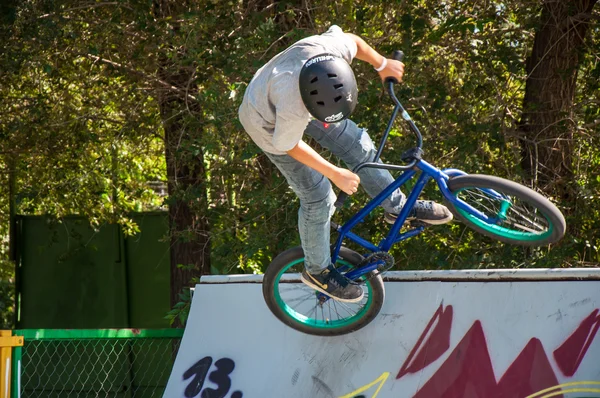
<point x="123" y="363"/>
<point x="70" y="275"/>
<point x="148" y="272"/>
<point x="73" y="276"/>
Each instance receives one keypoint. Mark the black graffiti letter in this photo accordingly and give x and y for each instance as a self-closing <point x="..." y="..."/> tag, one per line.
<point x="221" y="378"/>
<point x="199" y="371"/>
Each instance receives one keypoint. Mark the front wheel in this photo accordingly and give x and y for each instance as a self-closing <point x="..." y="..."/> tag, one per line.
<point x="302" y="308"/>
<point x="512" y="213"/>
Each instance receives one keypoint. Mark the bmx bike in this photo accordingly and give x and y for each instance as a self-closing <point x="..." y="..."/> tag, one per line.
<point x="493" y="206"/>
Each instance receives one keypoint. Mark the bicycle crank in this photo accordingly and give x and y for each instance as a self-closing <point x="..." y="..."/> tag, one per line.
<point x="384" y="261"/>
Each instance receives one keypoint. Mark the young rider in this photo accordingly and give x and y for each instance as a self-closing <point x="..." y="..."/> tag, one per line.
<point x="313" y="78"/>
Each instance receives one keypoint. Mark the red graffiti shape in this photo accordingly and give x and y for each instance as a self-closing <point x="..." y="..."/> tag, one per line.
<point x="437" y="343"/>
<point x="531" y="372"/>
<point x="468" y="372"/>
<point x="570" y="354"/>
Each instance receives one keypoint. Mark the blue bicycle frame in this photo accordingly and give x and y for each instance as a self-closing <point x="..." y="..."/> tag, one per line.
<point x="416" y="164"/>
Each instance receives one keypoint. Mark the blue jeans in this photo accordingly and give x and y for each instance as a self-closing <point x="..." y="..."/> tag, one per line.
<point x="354" y="146"/>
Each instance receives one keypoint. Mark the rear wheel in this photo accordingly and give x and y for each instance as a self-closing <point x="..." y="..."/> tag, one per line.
<point x="308" y="311"/>
<point x="515" y="214"/>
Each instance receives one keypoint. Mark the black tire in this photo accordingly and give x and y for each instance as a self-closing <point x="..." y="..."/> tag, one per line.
<point x="294" y="258"/>
<point x="536" y="222"/>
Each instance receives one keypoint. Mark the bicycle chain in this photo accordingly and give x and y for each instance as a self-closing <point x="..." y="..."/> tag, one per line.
<point x="386" y="259"/>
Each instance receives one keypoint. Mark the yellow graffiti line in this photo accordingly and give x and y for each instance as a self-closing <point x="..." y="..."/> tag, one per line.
<point x="554" y="394"/>
<point x="381" y="379"/>
<point x="560" y="386"/>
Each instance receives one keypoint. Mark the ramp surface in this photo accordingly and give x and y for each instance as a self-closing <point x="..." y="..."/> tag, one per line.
<point x="451" y="335"/>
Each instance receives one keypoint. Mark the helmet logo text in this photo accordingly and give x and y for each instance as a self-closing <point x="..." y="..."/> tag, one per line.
<point x="334" y="118"/>
<point x="318" y="59"/>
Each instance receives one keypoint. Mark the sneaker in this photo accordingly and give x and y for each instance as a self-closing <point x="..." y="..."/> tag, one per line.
<point x="426" y="211"/>
<point x="333" y="284"/>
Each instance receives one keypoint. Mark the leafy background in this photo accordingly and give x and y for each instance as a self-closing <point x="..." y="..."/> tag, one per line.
<point x="98" y="98"/>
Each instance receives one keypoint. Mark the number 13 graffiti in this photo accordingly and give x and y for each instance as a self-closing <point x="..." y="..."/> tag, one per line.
<point x="220" y="377"/>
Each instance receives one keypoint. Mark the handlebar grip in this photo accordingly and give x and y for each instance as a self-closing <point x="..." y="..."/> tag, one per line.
<point x="341" y="198"/>
<point x="398" y="56"/>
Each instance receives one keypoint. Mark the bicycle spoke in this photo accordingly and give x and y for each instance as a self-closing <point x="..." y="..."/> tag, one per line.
<point x="312" y="309"/>
<point x="477" y="200"/>
<point x="347" y="308"/>
<point x="299" y="299"/>
<point x="529" y="228"/>
<point x="302" y="301"/>
<point x="526" y="221"/>
<point x="535" y="223"/>
<point x="335" y="305"/>
<point x="336" y="310"/>
<point x="506" y="210"/>
<point x="519" y="216"/>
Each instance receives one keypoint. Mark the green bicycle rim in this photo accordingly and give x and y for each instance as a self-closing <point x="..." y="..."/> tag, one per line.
<point x="505" y="232"/>
<point x="300" y="318"/>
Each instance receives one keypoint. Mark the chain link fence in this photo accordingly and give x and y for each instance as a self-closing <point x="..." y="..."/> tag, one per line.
<point x="120" y="363"/>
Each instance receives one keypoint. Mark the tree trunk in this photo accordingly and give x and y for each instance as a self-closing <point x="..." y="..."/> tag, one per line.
<point x="188" y="223"/>
<point x="547" y="127"/>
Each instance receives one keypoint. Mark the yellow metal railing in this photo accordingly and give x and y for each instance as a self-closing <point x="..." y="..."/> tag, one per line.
<point x="7" y="342"/>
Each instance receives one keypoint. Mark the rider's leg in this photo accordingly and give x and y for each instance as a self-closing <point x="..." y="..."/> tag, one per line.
<point x="316" y="208"/>
<point x="354" y="146"/>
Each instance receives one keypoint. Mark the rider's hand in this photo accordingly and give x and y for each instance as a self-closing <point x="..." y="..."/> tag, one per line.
<point x="393" y="69"/>
<point x="346" y="180"/>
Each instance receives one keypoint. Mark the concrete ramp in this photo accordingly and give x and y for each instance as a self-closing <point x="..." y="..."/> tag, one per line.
<point x="474" y="334"/>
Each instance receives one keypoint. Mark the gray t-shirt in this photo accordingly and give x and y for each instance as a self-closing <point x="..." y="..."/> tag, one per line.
<point x="272" y="111"/>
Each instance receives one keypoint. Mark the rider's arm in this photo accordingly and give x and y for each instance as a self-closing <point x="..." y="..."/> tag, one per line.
<point x="344" y="179"/>
<point x="368" y="54"/>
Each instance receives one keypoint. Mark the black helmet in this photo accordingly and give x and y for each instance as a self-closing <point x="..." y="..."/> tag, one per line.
<point x="328" y="88"/>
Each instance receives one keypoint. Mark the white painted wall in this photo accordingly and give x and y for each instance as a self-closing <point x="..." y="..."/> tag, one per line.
<point x="231" y="320"/>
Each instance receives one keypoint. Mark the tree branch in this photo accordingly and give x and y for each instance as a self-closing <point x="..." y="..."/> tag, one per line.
<point x="142" y="74"/>
<point x="591" y="124"/>
<point x="93" y="5"/>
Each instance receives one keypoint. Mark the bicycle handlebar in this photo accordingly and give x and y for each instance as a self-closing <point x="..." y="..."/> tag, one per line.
<point x="390" y="81"/>
<point x="398" y="56"/>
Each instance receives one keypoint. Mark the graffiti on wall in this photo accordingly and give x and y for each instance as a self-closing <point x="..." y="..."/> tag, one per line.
<point x="220" y="376"/>
<point x="466" y="371"/>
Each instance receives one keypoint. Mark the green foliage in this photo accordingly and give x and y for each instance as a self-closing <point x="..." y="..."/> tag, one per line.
<point x="181" y="309"/>
<point x="7" y="292"/>
<point x="80" y="115"/>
